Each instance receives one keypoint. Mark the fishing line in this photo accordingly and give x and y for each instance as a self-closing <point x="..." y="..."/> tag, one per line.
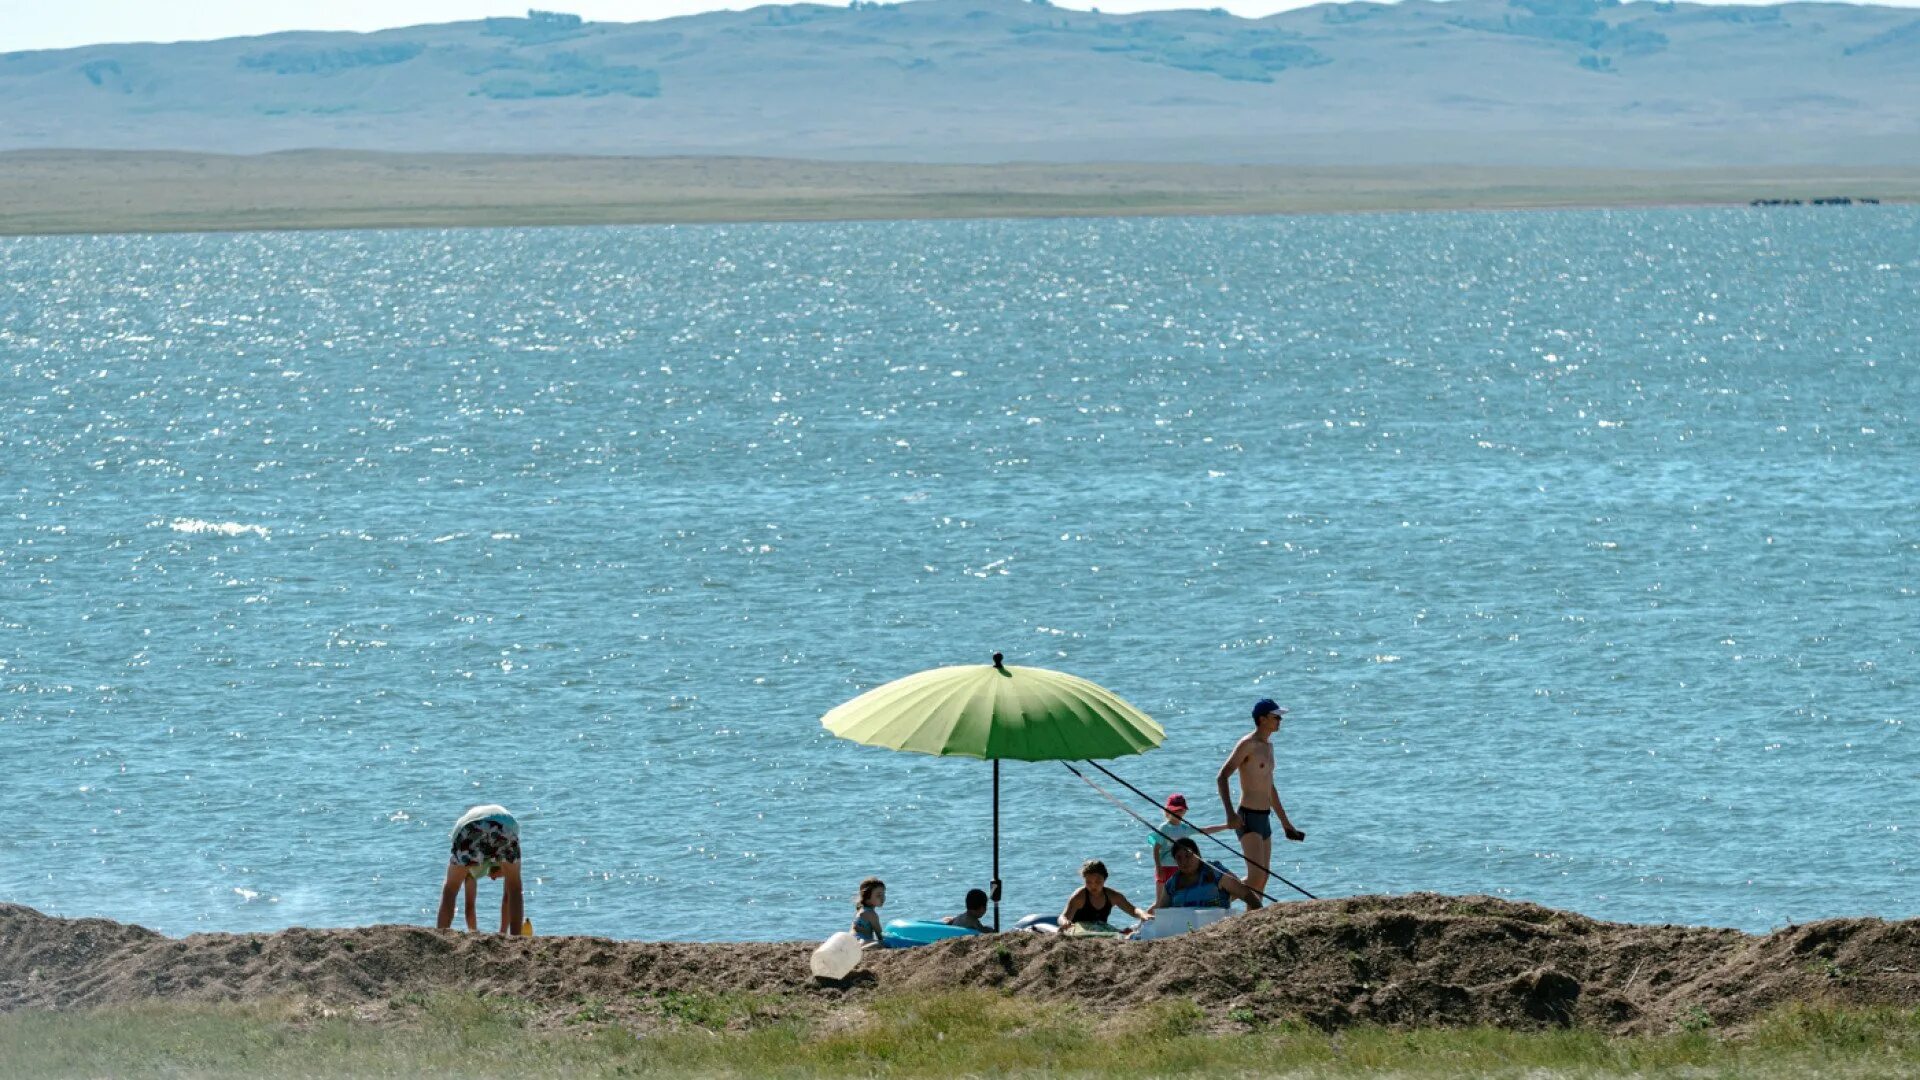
<point x="1125" y="809"/>
<point x="1116" y="779"/>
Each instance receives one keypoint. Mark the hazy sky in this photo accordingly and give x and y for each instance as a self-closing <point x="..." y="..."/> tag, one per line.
<point x="53" y="24"/>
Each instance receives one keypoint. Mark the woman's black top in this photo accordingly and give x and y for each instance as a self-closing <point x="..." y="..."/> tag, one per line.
<point x="1087" y="913"/>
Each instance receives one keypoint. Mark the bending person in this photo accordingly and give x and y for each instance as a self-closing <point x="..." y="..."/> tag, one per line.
<point x="1092" y="904"/>
<point x="1199" y="884"/>
<point x="486" y="843"/>
<point x="1252" y="822"/>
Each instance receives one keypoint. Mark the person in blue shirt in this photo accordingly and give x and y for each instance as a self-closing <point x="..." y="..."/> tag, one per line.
<point x="1198" y="884"/>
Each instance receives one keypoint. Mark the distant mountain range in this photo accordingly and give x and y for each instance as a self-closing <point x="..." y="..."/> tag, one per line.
<point x="1541" y="82"/>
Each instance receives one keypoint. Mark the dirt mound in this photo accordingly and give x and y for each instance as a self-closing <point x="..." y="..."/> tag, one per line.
<point x="1427" y="959"/>
<point x="1409" y="960"/>
<point x="60" y="963"/>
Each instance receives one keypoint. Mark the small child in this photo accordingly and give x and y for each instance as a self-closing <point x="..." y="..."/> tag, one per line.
<point x="1174" y="827"/>
<point x="974" y="917"/>
<point x="866" y="922"/>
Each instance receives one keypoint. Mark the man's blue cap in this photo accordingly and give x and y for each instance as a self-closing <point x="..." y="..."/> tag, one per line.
<point x="1264" y="706"/>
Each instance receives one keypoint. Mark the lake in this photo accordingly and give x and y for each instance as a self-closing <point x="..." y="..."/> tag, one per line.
<point x="1584" y="547"/>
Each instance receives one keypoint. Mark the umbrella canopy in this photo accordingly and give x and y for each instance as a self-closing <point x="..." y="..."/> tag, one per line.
<point x="996" y="712"/>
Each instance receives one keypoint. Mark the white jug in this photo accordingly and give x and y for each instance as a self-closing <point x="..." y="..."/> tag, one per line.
<point x="837" y="956"/>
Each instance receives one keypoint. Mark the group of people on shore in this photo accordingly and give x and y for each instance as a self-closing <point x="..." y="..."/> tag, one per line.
<point x="486" y="843"/>
<point x="1182" y="877"/>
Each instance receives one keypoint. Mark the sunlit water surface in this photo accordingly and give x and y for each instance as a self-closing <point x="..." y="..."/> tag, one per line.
<point x="1585" y="547"/>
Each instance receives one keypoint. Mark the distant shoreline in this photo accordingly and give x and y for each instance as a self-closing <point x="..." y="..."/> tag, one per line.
<point x="76" y="191"/>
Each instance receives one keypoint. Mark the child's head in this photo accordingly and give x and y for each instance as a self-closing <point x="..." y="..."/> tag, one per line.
<point x="873" y="893"/>
<point x="1094" y="873"/>
<point x="1176" y="806"/>
<point x="976" y="901"/>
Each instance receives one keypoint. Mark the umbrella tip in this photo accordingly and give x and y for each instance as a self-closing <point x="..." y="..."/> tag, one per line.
<point x="997" y="658"/>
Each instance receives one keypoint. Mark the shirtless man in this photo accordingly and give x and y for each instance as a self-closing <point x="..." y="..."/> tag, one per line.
<point x="1252" y="758"/>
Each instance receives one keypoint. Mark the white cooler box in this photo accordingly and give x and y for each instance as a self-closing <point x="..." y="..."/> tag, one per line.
<point x="1172" y="922"/>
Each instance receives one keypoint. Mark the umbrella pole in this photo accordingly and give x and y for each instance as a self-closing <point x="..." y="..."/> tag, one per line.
<point x="995" y="893"/>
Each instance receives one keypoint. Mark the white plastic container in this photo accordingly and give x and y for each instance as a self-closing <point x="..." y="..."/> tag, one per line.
<point x="1172" y="922"/>
<point x="837" y="956"/>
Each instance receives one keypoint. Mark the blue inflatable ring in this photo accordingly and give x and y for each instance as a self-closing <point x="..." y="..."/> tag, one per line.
<point x="906" y="933"/>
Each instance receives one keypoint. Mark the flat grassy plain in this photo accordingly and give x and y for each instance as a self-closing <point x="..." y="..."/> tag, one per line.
<point x="59" y="191"/>
<point x="972" y="1033"/>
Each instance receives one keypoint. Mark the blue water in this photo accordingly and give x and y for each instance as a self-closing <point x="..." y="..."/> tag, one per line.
<point x="1584" y="546"/>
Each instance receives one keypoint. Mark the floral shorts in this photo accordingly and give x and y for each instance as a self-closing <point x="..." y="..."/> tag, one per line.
<point x="487" y="843"/>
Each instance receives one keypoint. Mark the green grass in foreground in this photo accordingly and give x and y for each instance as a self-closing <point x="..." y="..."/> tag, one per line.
<point x="940" y="1035"/>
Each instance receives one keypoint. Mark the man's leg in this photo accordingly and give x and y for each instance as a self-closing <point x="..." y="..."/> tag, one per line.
<point x="1259" y="850"/>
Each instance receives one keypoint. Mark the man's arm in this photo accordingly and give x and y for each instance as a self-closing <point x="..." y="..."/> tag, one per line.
<point x="1239" y="890"/>
<point x="449" y="892"/>
<point x="1224" y="782"/>
<point x="1281" y="811"/>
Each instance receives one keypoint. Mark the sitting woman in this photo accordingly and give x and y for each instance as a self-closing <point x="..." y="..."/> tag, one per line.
<point x="1197" y="884"/>
<point x="1091" y="906"/>
<point x="486" y="843"/>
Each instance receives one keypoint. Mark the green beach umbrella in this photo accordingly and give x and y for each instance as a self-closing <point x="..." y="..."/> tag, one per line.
<point x="995" y="712"/>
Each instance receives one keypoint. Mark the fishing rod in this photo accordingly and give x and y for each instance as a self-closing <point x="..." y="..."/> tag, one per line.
<point x="1116" y="779"/>
<point x="1127" y="810"/>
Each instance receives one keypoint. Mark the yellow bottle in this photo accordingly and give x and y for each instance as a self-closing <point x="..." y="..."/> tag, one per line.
<point x="526" y="927"/>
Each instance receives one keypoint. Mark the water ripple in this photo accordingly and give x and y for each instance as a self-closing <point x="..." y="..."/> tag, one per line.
<point x="1583" y="544"/>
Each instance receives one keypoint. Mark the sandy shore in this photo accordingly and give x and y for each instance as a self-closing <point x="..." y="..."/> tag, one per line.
<point x="1416" y="961"/>
<point x="101" y="191"/>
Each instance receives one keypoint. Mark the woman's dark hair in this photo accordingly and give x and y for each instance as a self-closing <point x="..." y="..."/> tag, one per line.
<point x="1186" y="843"/>
<point x="1094" y="866"/>
<point x="866" y="887"/>
<point x="976" y="898"/>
